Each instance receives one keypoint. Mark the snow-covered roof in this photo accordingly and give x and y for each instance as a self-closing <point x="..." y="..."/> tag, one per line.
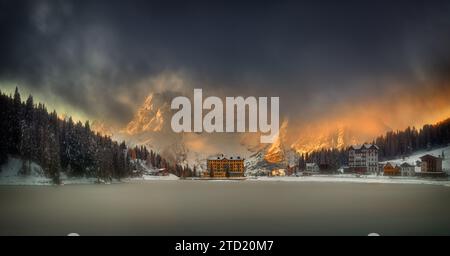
<point x="222" y="156"/>
<point x="405" y="164"/>
<point x="366" y="146"/>
<point x="391" y="164"/>
<point x="218" y="157"/>
<point x="428" y="156"/>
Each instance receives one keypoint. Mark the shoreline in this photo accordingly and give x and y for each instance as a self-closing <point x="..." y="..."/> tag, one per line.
<point x="358" y="180"/>
<point x="344" y="178"/>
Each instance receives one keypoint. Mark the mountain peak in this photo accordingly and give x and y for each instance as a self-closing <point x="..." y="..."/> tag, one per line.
<point x="151" y="116"/>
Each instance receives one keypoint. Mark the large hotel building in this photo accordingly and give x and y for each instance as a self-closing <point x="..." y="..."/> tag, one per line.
<point x="223" y="167"/>
<point x="363" y="158"/>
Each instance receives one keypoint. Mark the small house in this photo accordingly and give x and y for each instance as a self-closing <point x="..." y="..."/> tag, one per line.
<point x="312" y="167"/>
<point x="390" y="170"/>
<point x="431" y="163"/>
<point x="407" y="169"/>
<point x="278" y="172"/>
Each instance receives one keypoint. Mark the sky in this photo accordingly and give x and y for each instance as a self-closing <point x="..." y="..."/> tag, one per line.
<point x="326" y="60"/>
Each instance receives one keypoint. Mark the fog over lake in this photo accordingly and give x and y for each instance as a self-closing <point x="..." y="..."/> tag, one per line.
<point x="225" y="208"/>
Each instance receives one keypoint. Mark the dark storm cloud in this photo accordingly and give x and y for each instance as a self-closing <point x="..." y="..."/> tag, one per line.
<point x="309" y="53"/>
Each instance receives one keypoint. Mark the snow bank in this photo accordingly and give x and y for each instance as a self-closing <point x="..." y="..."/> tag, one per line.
<point x="10" y="174"/>
<point x="154" y="177"/>
<point x="66" y="180"/>
<point x="353" y="179"/>
<point x="151" y="173"/>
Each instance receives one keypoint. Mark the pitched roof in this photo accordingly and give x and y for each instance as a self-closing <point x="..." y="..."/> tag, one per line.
<point x="218" y="157"/>
<point x="366" y="146"/>
<point x="428" y="156"/>
<point x="388" y="165"/>
<point x="405" y="164"/>
<point x="222" y="156"/>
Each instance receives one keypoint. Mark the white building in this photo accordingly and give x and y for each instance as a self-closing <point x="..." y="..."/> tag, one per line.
<point x="363" y="158"/>
<point x="407" y="169"/>
<point x="312" y="167"/>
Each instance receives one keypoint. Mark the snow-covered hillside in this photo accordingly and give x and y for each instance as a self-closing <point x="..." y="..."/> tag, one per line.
<point x="258" y="164"/>
<point x="11" y="174"/>
<point x="150" y="173"/>
<point x="153" y="177"/>
<point x="434" y="152"/>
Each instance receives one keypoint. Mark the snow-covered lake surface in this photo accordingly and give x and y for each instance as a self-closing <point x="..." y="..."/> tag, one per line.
<point x="226" y="208"/>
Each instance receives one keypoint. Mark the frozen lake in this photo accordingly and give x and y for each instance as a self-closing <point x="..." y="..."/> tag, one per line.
<point x="226" y="208"/>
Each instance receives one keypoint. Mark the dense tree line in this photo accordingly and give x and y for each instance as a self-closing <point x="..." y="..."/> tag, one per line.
<point x="29" y="131"/>
<point x="403" y="143"/>
<point x="393" y="144"/>
<point x="152" y="159"/>
<point x="327" y="159"/>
